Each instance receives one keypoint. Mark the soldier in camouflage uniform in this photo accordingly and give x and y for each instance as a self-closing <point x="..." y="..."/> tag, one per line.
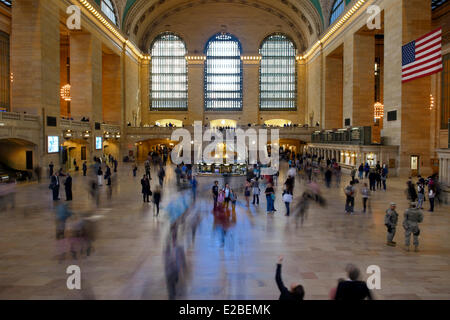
<point x="390" y="221"/>
<point x="413" y="216"/>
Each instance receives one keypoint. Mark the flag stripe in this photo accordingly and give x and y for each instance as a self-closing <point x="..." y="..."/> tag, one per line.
<point x="423" y="53"/>
<point x="423" y="60"/>
<point x="428" y="36"/>
<point x="427" y="45"/>
<point x="423" y="73"/>
<point x="429" y="65"/>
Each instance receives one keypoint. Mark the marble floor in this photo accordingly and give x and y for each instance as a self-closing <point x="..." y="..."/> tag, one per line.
<point x="128" y="261"/>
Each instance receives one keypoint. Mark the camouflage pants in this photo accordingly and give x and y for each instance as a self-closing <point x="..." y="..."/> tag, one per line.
<point x="415" y="233"/>
<point x="391" y="234"/>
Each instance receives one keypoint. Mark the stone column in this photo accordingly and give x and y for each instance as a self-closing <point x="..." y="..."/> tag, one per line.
<point x="406" y="21"/>
<point x="196" y="105"/>
<point x="363" y="79"/>
<point x="250" y="93"/>
<point x="145" y="92"/>
<point x="333" y="92"/>
<point x="35" y="56"/>
<point x="348" y="66"/>
<point x="112" y="89"/>
<point x="86" y="77"/>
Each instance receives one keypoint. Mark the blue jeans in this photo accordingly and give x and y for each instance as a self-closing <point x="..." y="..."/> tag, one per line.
<point x="287" y="208"/>
<point x="270" y="206"/>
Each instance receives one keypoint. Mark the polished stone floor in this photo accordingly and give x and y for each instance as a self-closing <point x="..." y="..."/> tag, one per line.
<point x="128" y="259"/>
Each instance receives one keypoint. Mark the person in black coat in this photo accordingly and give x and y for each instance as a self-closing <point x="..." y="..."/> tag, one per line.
<point x="353" y="289"/>
<point x="68" y="187"/>
<point x="372" y="180"/>
<point x="108" y="175"/>
<point x="54" y="186"/>
<point x="146" y="192"/>
<point x="157" y="200"/>
<point x="84" y="168"/>
<point x="296" y="293"/>
<point x="50" y="168"/>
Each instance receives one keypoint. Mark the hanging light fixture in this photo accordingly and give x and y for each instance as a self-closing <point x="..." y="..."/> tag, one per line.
<point x="378" y="110"/>
<point x="65" y="93"/>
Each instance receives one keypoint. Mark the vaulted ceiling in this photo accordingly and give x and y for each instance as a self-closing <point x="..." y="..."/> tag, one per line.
<point x="305" y="19"/>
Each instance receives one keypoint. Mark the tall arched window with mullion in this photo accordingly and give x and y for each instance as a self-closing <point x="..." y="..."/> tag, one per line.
<point x="336" y="10"/>
<point x="278" y="74"/>
<point x="223" y="73"/>
<point x="169" y="80"/>
<point x="108" y="9"/>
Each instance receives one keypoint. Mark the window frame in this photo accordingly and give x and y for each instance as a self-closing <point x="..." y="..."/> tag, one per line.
<point x="151" y="107"/>
<point x="112" y="8"/>
<point x="337" y="5"/>
<point x="241" y="75"/>
<point x="295" y="77"/>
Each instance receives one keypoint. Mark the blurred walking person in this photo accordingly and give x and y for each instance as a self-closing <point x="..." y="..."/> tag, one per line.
<point x="270" y="197"/>
<point x="146" y="191"/>
<point x="68" y="187"/>
<point x="84" y="169"/>
<point x="99" y="176"/>
<point x="156" y="200"/>
<point x="256" y="192"/>
<point x="247" y="191"/>
<point x="365" y="193"/>
<point x="287" y="199"/>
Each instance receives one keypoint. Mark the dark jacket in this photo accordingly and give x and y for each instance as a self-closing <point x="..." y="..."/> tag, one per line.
<point x="145" y="186"/>
<point x="54" y="182"/>
<point x="285" y="294"/>
<point x="353" y="290"/>
<point x="68" y="183"/>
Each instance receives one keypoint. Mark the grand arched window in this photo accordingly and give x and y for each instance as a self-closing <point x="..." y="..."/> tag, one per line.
<point x="336" y="10"/>
<point x="169" y="82"/>
<point x="278" y="74"/>
<point x="109" y="11"/>
<point x="223" y="73"/>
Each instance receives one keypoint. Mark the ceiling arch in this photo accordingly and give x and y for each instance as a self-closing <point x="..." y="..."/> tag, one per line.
<point x="304" y="18"/>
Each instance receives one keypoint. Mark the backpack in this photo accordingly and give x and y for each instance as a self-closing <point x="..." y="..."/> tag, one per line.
<point x="348" y="191"/>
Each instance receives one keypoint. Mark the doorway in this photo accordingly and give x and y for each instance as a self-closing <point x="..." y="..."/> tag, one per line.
<point x="29" y="160"/>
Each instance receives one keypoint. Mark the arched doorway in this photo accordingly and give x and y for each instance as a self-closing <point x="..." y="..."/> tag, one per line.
<point x="18" y="158"/>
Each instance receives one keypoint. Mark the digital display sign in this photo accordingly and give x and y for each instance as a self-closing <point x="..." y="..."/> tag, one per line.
<point x="98" y="143"/>
<point x="53" y="144"/>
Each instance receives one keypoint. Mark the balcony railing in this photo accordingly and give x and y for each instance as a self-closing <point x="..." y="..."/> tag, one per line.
<point x="18" y="116"/>
<point x="74" y="124"/>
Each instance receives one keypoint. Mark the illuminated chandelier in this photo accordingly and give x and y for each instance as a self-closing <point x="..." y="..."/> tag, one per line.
<point x="378" y="111"/>
<point x="65" y="93"/>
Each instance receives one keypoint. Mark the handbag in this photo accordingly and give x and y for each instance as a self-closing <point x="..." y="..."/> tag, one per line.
<point x="272" y="196"/>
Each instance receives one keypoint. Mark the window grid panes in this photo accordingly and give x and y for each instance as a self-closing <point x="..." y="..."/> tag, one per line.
<point x="278" y="76"/>
<point x="437" y="3"/>
<point x="445" y="106"/>
<point x="169" y="81"/>
<point x="223" y="73"/>
<point x="336" y="11"/>
<point x="108" y="10"/>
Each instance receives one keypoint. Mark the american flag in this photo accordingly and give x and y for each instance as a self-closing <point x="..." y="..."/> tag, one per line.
<point x="422" y="57"/>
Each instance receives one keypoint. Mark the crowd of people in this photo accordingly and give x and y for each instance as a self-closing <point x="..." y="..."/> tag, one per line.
<point x="76" y="233"/>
